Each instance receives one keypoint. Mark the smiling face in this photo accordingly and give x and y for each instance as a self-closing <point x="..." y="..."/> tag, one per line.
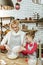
<point x="29" y="38"/>
<point x="15" y="25"/>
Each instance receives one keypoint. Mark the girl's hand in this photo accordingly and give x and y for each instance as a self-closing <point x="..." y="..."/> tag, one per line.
<point x="21" y="49"/>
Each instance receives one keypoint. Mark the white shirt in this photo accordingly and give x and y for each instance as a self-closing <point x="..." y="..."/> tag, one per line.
<point x="7" y="36"/>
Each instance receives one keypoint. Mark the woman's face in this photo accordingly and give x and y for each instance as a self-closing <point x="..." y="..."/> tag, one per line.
<point x="15" y="27"/>
<point x="28" y="38"/>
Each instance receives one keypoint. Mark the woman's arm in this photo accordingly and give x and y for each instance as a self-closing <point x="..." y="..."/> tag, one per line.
<point x="4" y="41"/>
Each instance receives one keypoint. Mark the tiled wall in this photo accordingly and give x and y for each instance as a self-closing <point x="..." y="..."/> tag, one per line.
<point x="27" y="9"/>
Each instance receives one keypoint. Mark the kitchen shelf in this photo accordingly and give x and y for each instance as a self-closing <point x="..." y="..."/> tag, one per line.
<point x="7" y="26"/>
<point x="29" y="30"/>
<point x="30" y="21"/>
<point x="27" y="21"/>
<point x="4" y="33"/>
<point x="6" y="17"/>
<point x="1" y="23"/>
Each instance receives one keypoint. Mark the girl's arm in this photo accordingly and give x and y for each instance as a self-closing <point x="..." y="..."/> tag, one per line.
<point x="33" y="49"/>
<point x="27" y="51"/>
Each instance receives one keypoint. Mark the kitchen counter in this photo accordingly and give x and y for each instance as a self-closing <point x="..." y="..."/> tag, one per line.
<point x="18" y="61"/>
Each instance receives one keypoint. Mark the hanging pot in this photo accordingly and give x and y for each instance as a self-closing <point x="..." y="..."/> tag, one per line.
<point x="19" y="0"/>
<point x="37" y="1"/>
<point x="17" y="6"/>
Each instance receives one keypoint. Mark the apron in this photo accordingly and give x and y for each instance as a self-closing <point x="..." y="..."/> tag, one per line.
<point x="15" y="40"/>
<point x="31" y="55"/>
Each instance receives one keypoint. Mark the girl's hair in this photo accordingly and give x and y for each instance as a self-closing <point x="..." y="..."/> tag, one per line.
<point x="32" y="34"/>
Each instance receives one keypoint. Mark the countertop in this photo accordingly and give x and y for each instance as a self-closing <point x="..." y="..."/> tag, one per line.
<point x="18" y="61"/>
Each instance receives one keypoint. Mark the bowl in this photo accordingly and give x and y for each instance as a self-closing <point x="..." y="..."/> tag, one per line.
<point x="12" y="55"/>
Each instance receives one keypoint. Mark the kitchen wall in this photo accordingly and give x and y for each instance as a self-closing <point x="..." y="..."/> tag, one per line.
<point x="27" y="9"/>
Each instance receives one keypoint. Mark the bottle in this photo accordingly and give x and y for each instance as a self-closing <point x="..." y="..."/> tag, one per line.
<point x="37" y="16"/>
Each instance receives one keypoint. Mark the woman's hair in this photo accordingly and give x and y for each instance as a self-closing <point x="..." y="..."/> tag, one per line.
<point x="31" y="34"/>
<point x="16" y="22"/>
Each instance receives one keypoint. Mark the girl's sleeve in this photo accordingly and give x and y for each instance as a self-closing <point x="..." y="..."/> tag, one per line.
<point x="33" y="49"/>
<point x="25" y="52"/>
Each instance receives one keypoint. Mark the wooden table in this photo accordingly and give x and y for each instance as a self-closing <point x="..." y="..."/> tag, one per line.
<point x="18" y="61"/>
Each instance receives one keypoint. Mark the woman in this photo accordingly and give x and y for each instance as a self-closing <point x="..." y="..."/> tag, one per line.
<point x="15" y="37"/>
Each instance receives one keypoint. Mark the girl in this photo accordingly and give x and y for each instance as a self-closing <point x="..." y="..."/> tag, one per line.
<point x="30" y="46"/>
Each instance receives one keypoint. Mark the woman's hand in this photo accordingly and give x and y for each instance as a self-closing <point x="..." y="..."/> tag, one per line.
<point x="2" y="47"/>
<point x="7" y="47"/>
